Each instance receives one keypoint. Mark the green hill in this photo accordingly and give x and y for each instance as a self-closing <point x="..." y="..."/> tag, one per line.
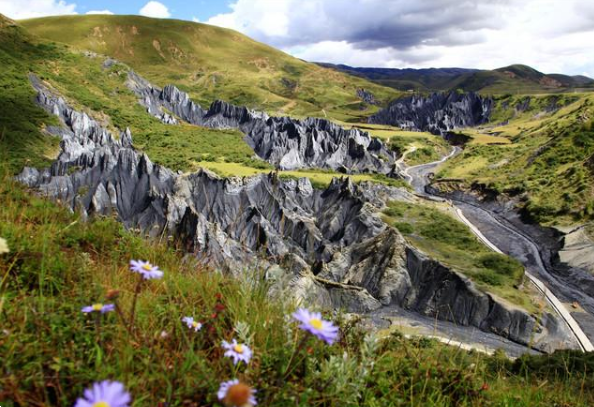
<point x="546" y="162"/>
<point x="214" y="63"/>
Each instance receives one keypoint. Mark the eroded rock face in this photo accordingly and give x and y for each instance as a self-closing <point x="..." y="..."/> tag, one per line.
<point x="438" y="113"/>
<point x="326" y="247"/>
<point x="282" y="141"/>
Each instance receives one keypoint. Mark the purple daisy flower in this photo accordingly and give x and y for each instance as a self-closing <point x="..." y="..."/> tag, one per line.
<point x="195" y="325"/>
<point x="105" y="394"/>
<point x="146" y="269"/>
<point x="313" y="323"/>
<point x="235" y="393"/>
<point x="102" y="308"/>
<point x="237" y="351"/>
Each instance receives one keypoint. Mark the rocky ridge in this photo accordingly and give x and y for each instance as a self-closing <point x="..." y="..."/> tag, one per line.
<point x="329" y="247"/>
<point x="438" y="113"/>
<point x="284" y="142"/>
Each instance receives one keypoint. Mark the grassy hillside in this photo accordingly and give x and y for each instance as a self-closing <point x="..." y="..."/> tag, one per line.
<point x="516" y="79"/>
<point x="434" y="229"/>
<point x="51" y="351"/>
<point x="547" y="162"/>
<point x="214" y="63"/>
<point x="102" y="93"/>
<point x="20" y="119"/>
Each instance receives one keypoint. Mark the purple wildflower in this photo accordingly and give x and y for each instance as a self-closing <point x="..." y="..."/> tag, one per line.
<point x="195" y="325"/>
<point x="313" y="323"/>
<point x="237" y="351"/>
<point x="146" y="269"/>
<point x="102" y="308"/>
<point x="105" y="394"/>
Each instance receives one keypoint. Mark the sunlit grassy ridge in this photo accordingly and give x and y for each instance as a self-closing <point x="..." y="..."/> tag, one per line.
<point x="214" y="63"/>
<point x="546" y="160"/>
<point x="51" y="351"/>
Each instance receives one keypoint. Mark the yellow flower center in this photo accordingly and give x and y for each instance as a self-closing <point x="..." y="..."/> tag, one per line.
<point x="238" y="395"/>
<point x="98" y="307"/>
<point x="316" y="323"/>
<point x="238" y="348"/>
<point x="101" y="404"/>
<point x="147" y="267"/>
<point x="195" y="324"/>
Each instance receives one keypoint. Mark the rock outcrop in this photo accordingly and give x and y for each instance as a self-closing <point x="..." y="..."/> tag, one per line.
<point x="282" y="141"/>
<point x="366" y="96"/>
<point x="329" y="247"/>
<point x="438" y="113"/>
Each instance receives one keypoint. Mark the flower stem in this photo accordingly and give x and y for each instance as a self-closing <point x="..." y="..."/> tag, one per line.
<point x="133" y="309"/>
<point x="98" y="327"/>
<point x="122" y="317"/>
<point x="301" y="345"/>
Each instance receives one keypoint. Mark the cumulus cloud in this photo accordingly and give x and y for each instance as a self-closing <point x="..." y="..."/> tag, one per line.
<point x="551" y="35"/>
<point x="155" y="9"/>
<point x="99" y="12"/>
<point x="35" y="8"/>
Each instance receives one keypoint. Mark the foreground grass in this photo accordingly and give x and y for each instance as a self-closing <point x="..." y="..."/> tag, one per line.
<point x="449" y="241"/>
<point x="51" y="351"/>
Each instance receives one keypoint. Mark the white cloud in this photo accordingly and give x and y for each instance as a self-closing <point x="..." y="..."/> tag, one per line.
<point x="195" y="19"/>
<point x="35" y="8"/>
<point x="550" y="35"/>
<point x="99" y="12"/>
<point x="155" y="9"/>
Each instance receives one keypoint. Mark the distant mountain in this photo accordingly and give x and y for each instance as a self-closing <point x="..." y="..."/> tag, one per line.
<point x="510" y="79"/>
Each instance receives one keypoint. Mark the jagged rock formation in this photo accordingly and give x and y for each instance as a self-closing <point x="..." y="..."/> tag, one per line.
<point x="366" y="96"/>
<point x="284" y="142"/>
<point x="327" y="246"/>
<point x="438" y="113"/>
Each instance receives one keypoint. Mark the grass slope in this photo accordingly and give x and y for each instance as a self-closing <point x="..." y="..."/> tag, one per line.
<point x="20" y="118"/>
<point x="51" y="351"/>
<point x="437" y="233"/>
<point x="214" y="63"/>
<point x="547" y="160"/>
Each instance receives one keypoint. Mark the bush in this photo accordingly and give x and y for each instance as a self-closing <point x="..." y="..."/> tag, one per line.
<point x="404" y="227"/>
<point x="489" y="277"/>
<point x="501" y="264"/>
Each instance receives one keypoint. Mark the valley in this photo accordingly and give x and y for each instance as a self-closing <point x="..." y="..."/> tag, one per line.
<point x="448" y="217"/>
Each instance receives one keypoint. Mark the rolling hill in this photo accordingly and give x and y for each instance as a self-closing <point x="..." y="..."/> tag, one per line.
<point x="214" y="63"/>
<point x="516" y="79"/>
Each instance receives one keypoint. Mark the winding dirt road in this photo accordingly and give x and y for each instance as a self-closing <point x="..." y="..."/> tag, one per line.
<point x="502" y="237"/>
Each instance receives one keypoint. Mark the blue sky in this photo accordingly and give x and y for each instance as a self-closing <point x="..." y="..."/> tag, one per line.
<point x="553" y="36"/>
<point x="183" y="10"/>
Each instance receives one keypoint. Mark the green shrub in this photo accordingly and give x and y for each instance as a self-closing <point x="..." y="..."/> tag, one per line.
<point x="501" y="264"/>
<point x="404" y="227"/>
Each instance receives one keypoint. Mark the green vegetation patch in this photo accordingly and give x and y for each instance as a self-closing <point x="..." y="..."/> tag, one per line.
<point x="549" y="162"/>
<point x="21" y="139"/>
<point x="449" y="241"/>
